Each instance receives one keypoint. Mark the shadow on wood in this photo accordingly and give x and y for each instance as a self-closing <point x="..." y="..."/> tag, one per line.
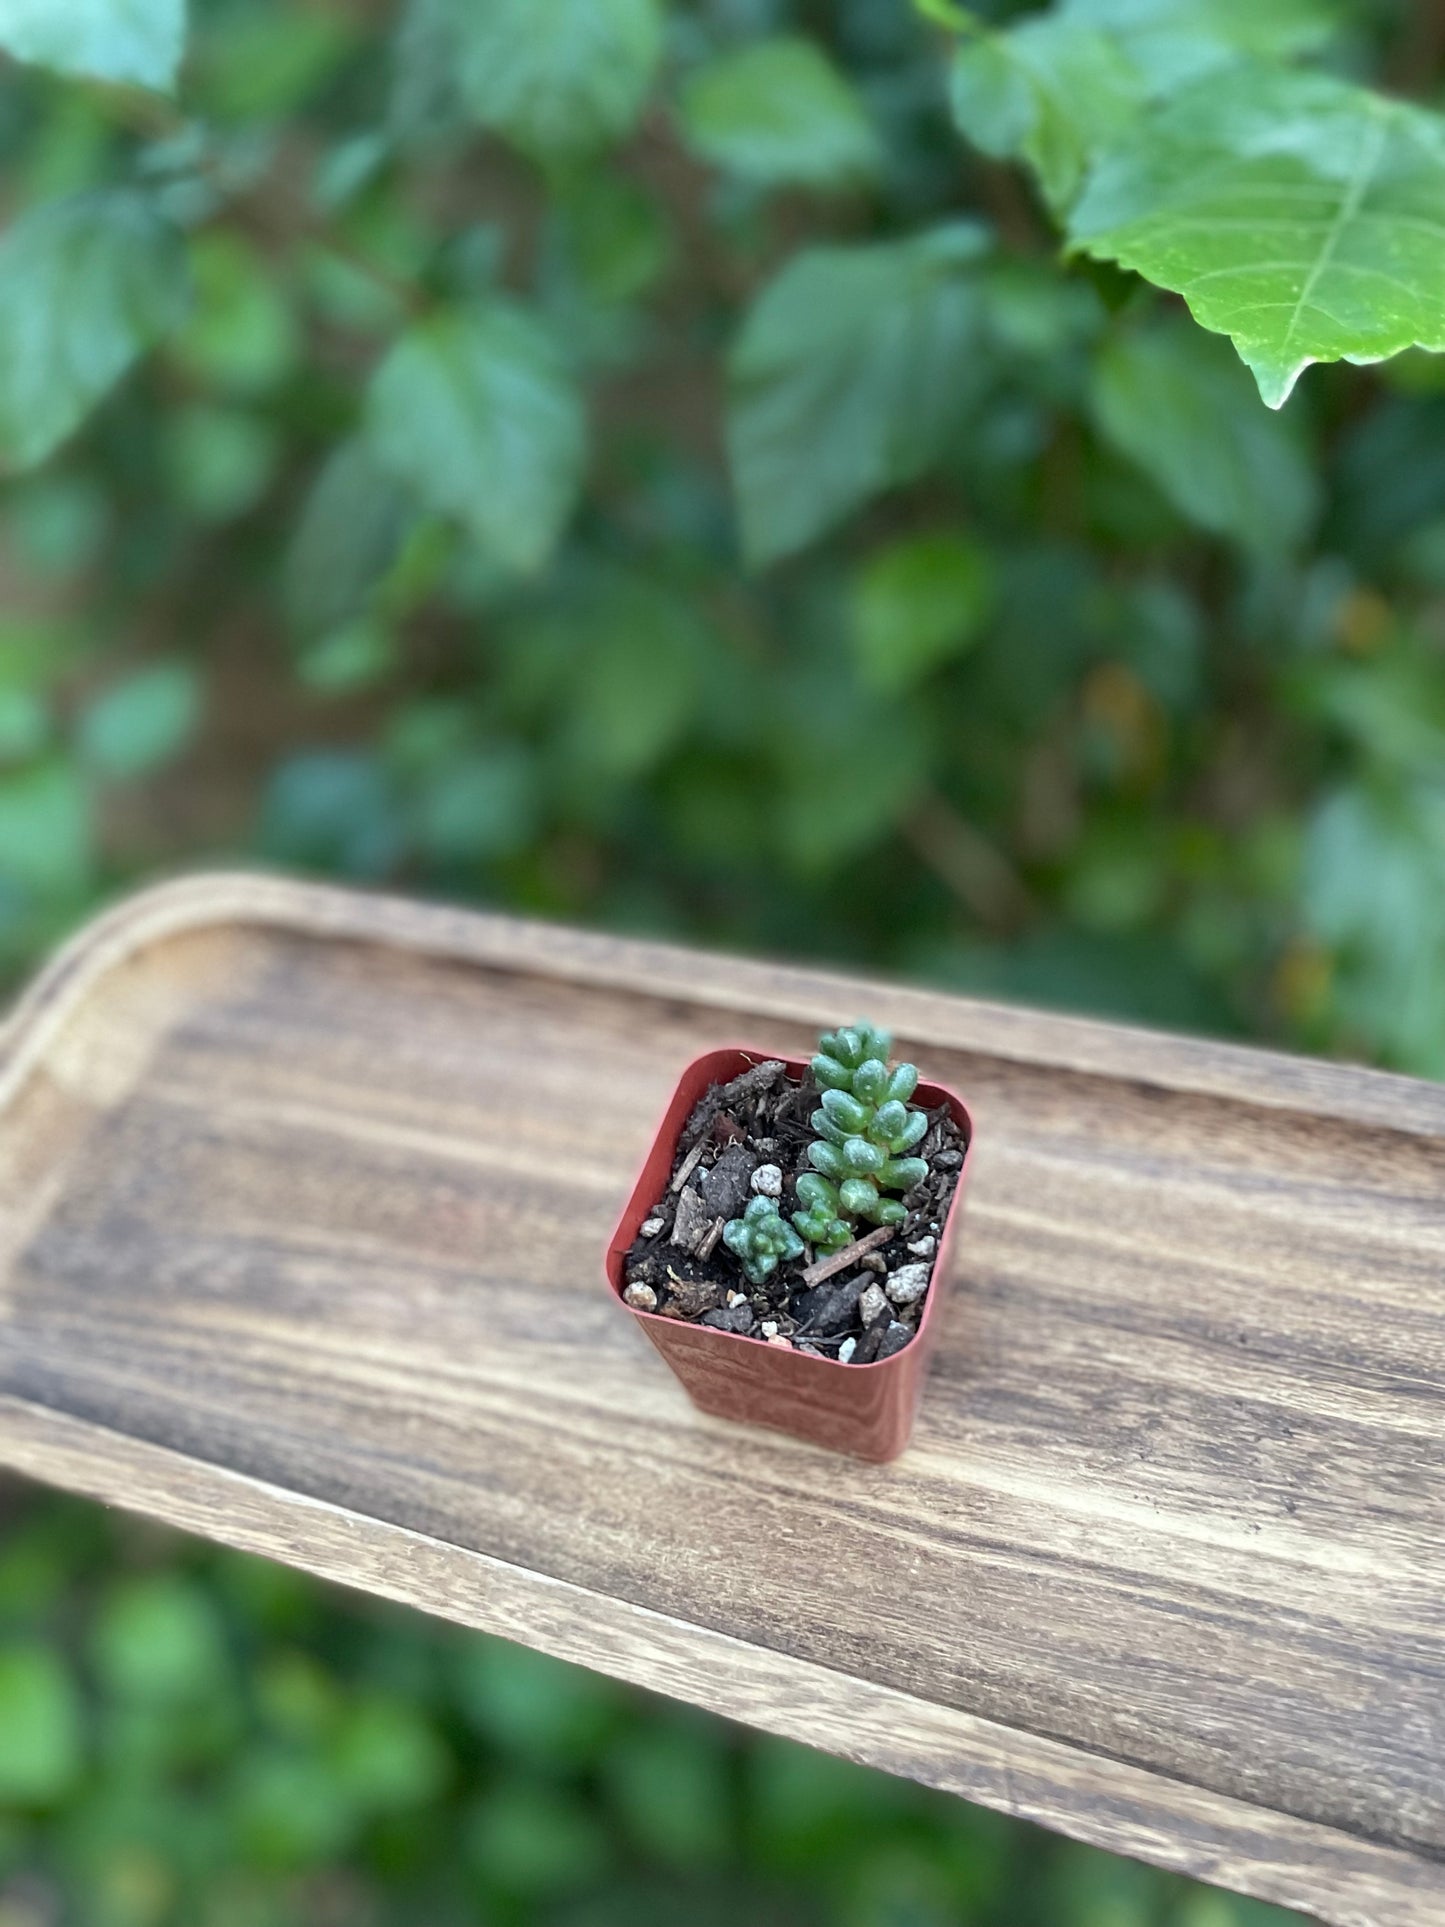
<point x="302" y="1202"/>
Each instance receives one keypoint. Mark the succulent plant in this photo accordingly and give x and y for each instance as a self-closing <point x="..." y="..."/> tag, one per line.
<point x="865" y="1127"/>
<point x="760" y="1239"/>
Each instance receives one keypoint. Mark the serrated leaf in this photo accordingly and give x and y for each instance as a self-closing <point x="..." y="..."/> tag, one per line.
<point x="476" y="413"/>
<point x="132" y="42"/>
<point x="852" y="373"/>
<point x="552" y="76"/>
<point x="86" y="285"/>
<point x="1050" y="91"/>
<point x="1295" y="213"/>
<point x="917" y="604"/>
<point x="1178" y="404"/>
<point x="1171" y="43"/>
<point x="1057" y="88"/>
<point x="779" y="113"/>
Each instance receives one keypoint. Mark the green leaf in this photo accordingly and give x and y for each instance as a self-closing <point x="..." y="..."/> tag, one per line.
<point x="1295" y="213"/>
<point x="779" y="113"/>
<point x="219" y="461"/>
<point x="851" y="374"/>
<point x="1058" y="88"/>
<point x="85" y="286"/>
<point x="1178" y="404"/>
<point x="142" y="722"/>
<point x="1170" y="43"/>
<point x="133" y="42"/>
<point x="917" y="604"/>
<point x="349" y="535"/>
<point x="552" y="76"/>
<point x="46" y="846"/>
<point x="41" y="1733"/>
<point x="1049" y="91"/>
<point x="241" y="336"/>
<point x="636" y="684"/>
<point x="158" y="1640"/>
<point x="1374" y="890"/>
<point x="614" y="232"/>
<point x="538" y="1839"/>
<point x="479" y="805"/>
<point x="476" y="412"/>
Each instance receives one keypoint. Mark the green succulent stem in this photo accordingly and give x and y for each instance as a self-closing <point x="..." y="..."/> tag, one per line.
<point x="865" y="1129"/>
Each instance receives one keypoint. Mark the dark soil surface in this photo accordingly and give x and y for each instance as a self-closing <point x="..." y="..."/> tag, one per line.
<point x="867" y="1309"/>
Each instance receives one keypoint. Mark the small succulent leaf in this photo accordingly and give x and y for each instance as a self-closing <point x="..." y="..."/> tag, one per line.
<point x="827" y="1129"/>
<point x="862" y="1158"/>
<point x="848" y="1048"/>
<point x="759" y="1211"/>
<point x="902" y="1083"/>
<point x="915" y="1129"/>
<point x="792" y="1244"/>
<point x="816" y="1193"/>
<point x="846" y="1111"/>
<point x="888" y="1211"/>
<point x="829" y="1074"/>
<point x="901" y="1174"/>
<point x="870" y="1080"/>
<point x="890" y="1120"/>
<point x="858" y="1196"/>
<point x="736" y="1236"/>
<point x="875" y="1042"/>
<point x="828" y="1159"/>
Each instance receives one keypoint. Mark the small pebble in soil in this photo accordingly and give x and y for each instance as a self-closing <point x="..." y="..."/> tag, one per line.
<point x="948" y="1161"/>
<point x="641" y="1297"/>
<point x="737" y="1318"/>
<point x="769" y="1329"/>
<point x="923" y="1247"/>
<point x="651" y="1227"/>
<point x="908" y="1284"/>
<point x="829" y="1308"/>
<point x="725" y="1186"/>
<point x="736" y="1298"/>
<point x="894" y="1339"/>
<point x="846" y="1351"/>
<point x="691" y="1297"/>
<point x="693" y="1221"/>
<point x="875" y="1261"/>
<point x="871" y="1306"/>
<point x="768" y="1181"/>
<point x="783" y="1344"/>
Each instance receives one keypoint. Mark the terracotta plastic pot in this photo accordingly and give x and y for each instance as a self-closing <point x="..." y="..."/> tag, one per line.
<point x="866" y="1410"/>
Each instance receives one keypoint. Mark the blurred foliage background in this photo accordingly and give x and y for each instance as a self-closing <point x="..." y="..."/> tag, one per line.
<point x="648" y="469"/>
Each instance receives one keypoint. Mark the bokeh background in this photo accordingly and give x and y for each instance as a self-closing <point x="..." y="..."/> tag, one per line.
<point x="1127" y="696"/>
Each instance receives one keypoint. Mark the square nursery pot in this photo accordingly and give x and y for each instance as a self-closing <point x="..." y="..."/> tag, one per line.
<point x="866" y="1410"/>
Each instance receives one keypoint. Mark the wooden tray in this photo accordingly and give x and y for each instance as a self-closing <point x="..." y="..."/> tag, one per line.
<point x="302" y="1201"/>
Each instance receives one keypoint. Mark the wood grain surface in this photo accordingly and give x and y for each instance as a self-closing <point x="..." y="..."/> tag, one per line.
<point x="302" y="1201"/>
